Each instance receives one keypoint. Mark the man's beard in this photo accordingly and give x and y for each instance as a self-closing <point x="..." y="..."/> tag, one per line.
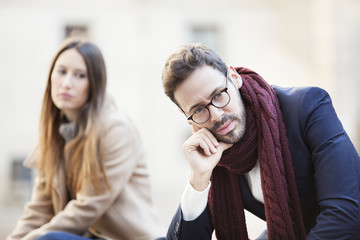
<point x="234" y="135"/>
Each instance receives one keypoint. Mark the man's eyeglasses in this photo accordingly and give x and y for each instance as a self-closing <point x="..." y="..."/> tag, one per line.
<point x="202" y="114"/>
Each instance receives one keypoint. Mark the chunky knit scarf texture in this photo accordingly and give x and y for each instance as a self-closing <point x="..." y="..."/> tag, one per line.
<point x="265" y="140"/>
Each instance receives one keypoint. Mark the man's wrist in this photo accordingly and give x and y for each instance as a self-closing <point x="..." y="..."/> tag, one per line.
<point x="199" y="181"/>
<point x="193" y="202"/>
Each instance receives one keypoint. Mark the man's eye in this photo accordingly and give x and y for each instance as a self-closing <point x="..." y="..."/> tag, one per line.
<point x="219" y="95"/>
<point x="199" y="110"/>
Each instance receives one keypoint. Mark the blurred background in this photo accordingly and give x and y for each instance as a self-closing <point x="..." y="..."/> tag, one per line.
<point x="289" y="43"/>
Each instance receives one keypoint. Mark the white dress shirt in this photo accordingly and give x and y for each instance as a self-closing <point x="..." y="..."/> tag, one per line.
<point x="194" y="202"/>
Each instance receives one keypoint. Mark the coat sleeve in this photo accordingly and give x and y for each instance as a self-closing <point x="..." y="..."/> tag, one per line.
<point x="122" y="150"/>
<point x="37" y="212"/>
<point x="336" y="169"/>
<point x="199" y="229"/>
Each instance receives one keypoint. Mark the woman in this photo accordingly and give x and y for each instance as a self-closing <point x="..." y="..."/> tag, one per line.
<point x="92" y="176"/>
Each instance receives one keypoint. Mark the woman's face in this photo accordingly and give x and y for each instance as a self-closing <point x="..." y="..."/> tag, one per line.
<point x="69" y="83"/>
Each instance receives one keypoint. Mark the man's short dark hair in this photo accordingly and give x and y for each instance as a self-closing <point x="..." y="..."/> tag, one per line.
<point x="185" y="61"/>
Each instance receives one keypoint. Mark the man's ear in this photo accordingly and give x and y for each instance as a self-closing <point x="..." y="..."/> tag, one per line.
<point x="235" y="77"/>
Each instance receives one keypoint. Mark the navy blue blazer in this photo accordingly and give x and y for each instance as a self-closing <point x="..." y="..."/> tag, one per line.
<point x="326" y="167"/>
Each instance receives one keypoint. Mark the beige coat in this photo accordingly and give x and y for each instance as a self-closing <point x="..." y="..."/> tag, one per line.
<point x="125" y="212"/>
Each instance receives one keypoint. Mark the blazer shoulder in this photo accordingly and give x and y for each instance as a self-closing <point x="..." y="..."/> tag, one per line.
<point x="295" y="99"/>
<point x="298" y="93"/>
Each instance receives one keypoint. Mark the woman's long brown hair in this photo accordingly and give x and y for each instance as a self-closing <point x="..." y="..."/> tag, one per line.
<point x="83" y="163"/>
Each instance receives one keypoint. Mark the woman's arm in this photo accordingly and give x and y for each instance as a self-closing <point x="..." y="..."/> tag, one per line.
<point x="122" y="149"/>
<point x="37" y="212"/>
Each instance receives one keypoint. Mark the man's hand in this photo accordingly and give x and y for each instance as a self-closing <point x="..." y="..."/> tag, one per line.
<point x="203" y="152"/>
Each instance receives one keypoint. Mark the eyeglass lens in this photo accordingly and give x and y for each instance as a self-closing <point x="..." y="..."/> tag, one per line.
<point x="202" y="114"/>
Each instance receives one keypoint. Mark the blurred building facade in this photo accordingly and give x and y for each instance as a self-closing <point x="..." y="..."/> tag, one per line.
<point x="290" y="43"/>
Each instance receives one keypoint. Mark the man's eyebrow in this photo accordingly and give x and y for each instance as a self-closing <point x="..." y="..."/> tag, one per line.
<point x="210" y="96"/>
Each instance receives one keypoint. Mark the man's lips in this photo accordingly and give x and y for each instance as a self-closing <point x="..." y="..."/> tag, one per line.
<point x="227" y="127"/>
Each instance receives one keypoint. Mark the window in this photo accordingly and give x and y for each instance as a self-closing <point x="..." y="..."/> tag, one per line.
<point x="207" y="35"/>
<point x="19" y="172"/>
<point x="21" y="182"/>
<point x="76" y="30"/>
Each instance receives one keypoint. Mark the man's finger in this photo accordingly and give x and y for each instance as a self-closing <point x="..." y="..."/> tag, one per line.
<point x="224" y="146"/>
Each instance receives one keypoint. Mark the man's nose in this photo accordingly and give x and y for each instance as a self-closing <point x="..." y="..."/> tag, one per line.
<point x="215" y="113"/>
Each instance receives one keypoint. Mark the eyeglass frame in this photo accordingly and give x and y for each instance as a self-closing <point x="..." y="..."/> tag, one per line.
<point x="210" y="103"/>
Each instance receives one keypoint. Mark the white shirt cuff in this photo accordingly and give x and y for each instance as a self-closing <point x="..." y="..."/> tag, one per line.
<point x="193" y="202"/>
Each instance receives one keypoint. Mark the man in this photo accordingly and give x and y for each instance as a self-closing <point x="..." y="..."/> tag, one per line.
<point x="280" y="153"/>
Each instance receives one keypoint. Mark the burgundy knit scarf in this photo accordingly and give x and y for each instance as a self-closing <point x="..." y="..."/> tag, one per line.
<point x="265" y="139"/>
